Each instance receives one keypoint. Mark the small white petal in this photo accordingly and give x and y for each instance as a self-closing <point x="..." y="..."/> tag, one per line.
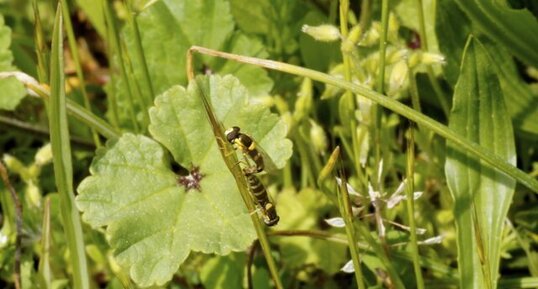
<point x="421" y="231"/>
<point x="431" y="241"/>
<point x="336" y="222"/>
<point x="348" y="267"/>
<point x="374" y="195"/>
<point x="3" y="240"/>
<point x="400" y="188"/>
<point x="350" y="189"/>
<point x="417" y="195"/>
<point x="394" y="200"/>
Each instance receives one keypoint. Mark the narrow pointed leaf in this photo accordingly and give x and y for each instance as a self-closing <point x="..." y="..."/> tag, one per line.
<point x="61" y="150"/>
<point x="482" y="195"/>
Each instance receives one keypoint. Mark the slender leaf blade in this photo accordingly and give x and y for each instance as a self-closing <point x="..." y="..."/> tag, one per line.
<point x="482" y="195"/>
<point x="61" y="150"/>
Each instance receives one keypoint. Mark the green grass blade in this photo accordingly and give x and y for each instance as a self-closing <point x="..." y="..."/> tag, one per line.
<point x="410" y="205"/>
<point x="63" y="170"/>
<point x="139" y="53"/>
<point x="482" y="195"/>
<point x="42" y="52"/>
<point x="44" y="271"/>
<point x="78" y="112"/>
<point x="115" y="45"/>
<point x="78" y="67"/>
<point x="346" y="212"/>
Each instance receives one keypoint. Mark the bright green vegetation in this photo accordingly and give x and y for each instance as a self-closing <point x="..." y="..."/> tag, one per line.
<point x="403" y="134"/>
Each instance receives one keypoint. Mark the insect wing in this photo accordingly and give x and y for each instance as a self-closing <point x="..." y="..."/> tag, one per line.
<point x="269" y="165"/>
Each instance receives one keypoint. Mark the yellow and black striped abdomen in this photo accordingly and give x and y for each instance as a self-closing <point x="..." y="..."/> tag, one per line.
<point x="270" y="217"/>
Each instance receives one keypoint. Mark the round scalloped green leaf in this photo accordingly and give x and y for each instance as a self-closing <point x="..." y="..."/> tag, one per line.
<point x="168" y="29"/>
<point x="13" y="91"/>
<point x="179" y="122"/>
<point x="152" y="220"/>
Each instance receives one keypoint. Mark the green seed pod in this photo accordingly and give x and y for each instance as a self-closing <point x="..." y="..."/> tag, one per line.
<point x="43" y="155"/>
<point x="33" y="195"/>
<point x="329" y="166"/>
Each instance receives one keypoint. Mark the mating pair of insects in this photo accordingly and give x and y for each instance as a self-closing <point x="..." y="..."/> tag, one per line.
<point x="247" y="145"/>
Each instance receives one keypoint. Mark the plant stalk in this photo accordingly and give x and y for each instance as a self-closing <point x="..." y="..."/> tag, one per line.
<point x="410" y="203"/>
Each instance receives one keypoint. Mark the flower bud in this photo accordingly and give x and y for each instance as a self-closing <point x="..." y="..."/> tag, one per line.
<point x="325" y="32"/>
<point x="398" y="76"/>
<point x="43" y="155"/>
<point x="318" y="138"/>
<point x="371" y="36"/>
<point x="14" y="165"/>
<point x="397" y="55"/>
<point x="303" y="104"/>
<point x="33" y="195"/>
<point x="352" y="39"/>
<point x="429" y="58"/>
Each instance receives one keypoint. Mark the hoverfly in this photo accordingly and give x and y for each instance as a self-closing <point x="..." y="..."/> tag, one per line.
<point x="248" y="146"/>
<point x="257" y="189"/>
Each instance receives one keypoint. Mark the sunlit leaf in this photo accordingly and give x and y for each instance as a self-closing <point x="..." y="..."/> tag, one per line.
<point x="169" y="28"/>
<point x="223" y="272"/>
<point x="153" y="218"/>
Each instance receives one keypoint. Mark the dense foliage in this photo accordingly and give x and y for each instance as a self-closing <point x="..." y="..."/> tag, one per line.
<point x="396" y="139"/>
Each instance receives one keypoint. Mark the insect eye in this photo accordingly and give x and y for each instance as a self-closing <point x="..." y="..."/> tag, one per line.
<point x="232" y="133"/>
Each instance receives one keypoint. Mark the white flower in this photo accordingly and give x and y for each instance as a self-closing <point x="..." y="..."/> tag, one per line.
<point x="336" y="222"/>
<point x="348" y="267"/>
